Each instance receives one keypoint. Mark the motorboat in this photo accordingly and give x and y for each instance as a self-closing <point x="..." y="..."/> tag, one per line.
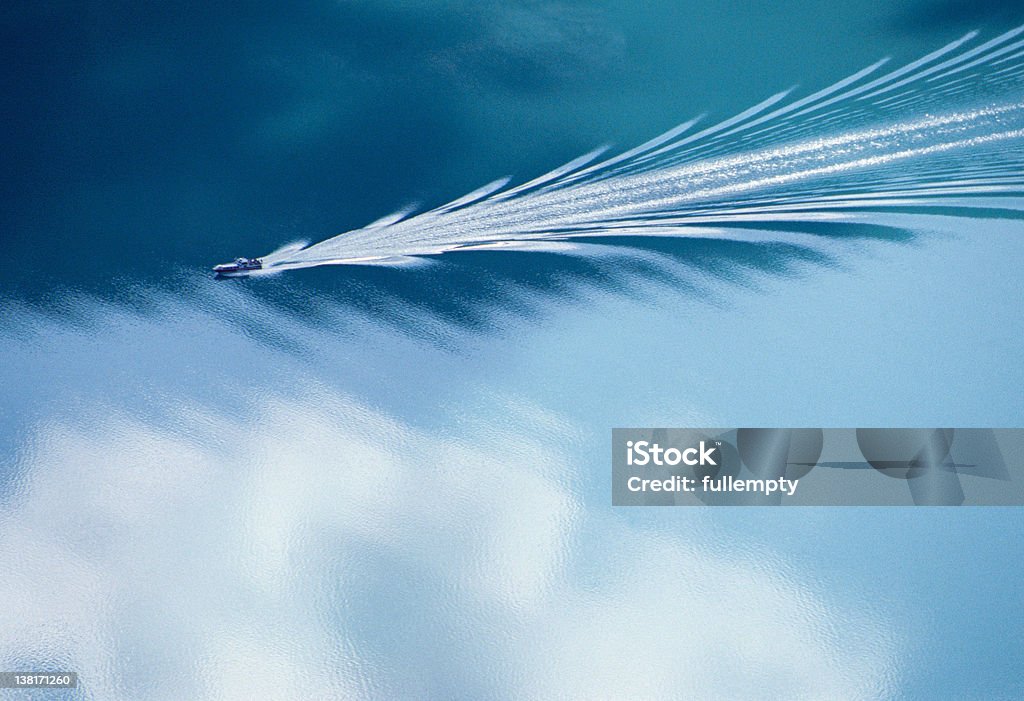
<point x="238" y="266"/>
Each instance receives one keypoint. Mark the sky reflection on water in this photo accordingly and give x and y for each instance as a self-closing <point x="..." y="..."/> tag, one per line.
<point x="394" y="483"/>
<point x="409" y="504"/>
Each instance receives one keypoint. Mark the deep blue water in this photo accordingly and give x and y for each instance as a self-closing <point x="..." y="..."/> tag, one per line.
<point x="352" y="482"/>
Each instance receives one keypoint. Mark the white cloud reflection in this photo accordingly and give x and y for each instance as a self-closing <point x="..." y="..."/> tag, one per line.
<point x="314" y="546"/>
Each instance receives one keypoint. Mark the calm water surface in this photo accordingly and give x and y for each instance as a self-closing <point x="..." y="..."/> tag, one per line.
<point x="391" y="483"/>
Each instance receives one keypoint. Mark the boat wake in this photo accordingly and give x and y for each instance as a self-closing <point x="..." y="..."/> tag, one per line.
<point x="944" y="131"/>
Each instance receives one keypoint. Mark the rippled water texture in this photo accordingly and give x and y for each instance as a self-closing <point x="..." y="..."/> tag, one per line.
<point x="392" y="481"/>
<point x="900" y="140"/>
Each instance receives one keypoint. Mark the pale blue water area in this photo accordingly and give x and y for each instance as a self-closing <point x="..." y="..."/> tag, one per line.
<point x="390" y="482"/>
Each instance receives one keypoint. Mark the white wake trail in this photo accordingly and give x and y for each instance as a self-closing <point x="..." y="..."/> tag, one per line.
<point x="947" y="128"/>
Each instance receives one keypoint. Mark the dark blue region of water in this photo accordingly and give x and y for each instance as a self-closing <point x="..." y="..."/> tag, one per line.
<point x="139" y="137"/>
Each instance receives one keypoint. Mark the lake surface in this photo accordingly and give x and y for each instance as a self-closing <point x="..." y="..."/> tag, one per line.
<point x="373" y="482"/>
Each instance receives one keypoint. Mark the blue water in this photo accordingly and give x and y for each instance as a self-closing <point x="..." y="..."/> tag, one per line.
<point x="374" y="482"/>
